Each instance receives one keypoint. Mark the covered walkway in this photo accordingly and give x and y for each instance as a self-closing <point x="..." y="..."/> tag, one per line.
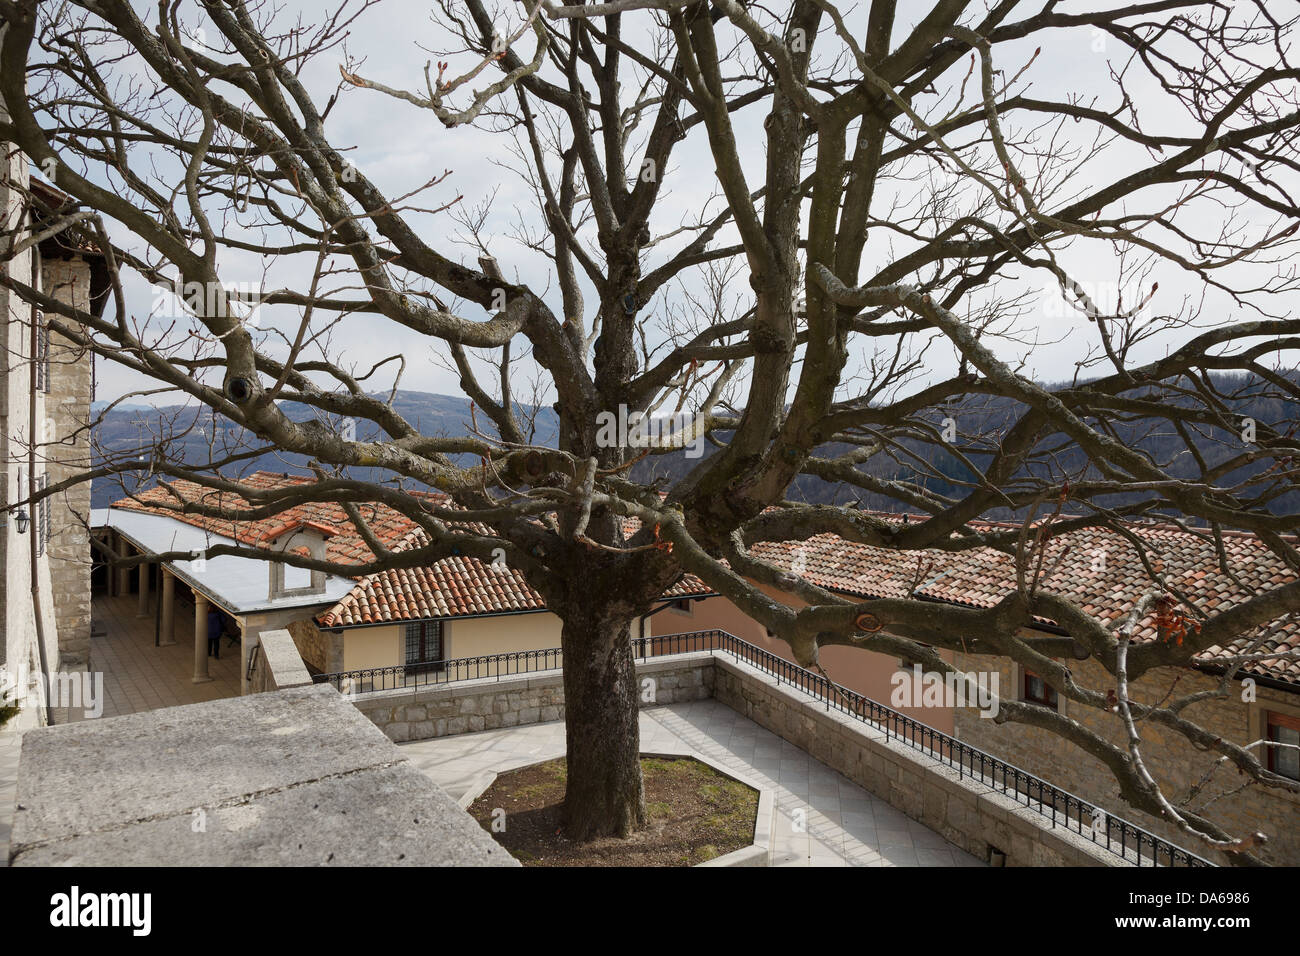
<point x="139" y="676"/>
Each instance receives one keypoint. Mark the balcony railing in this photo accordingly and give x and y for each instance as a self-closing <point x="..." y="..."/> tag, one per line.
<point x="430" y="673"/>
<point x="1126" y="840"/>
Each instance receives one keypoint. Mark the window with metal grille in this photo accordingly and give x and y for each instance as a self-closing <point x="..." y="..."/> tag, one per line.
<point x="42" y="353"/>
<point x="43" y="516"/>
<point x="424" y="644"/>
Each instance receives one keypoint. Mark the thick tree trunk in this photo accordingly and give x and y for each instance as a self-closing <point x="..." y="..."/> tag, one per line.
<point x="604" y="795"/>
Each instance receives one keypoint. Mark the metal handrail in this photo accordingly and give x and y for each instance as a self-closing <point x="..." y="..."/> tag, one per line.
<point x="1124" y="839"/>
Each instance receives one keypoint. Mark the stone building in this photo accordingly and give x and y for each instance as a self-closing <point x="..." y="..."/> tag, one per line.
<point x="381" y="625"/>
<point x="1187" y="775"/>
<point x="1102" y="572"/>
<point x="45" y="394"/>
<point x="454" y="608"/>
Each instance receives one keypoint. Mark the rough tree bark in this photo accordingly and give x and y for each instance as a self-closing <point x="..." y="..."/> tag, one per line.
<point x="604" y="796"/>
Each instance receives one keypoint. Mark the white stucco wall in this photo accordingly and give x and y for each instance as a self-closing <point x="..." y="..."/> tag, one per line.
<point x="18" y="644"/>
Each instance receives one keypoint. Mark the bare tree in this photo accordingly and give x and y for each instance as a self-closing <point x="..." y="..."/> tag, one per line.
<point x="895" y="193"/>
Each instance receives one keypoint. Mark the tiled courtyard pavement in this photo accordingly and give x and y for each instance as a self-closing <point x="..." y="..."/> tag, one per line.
<point x="845" y="825"/>
<point x="139" y="676"/>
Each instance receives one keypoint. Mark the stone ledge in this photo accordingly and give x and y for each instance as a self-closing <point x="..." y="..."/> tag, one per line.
<point x="490" y="703"/>
<point x="381" y="816"/>
<point x="533" y="680"/>
<point x="283" y="662"/>
<point x="290" y="777"/>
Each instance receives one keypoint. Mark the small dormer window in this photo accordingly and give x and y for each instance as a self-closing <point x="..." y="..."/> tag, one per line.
<point x="306" y="539"/>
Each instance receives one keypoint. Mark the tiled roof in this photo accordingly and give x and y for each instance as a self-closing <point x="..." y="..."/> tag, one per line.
<point x="71" y="239"/>
<point x="1101" y="571"/>
<point x="344" y="546"/>
<point x="452" y="587"/>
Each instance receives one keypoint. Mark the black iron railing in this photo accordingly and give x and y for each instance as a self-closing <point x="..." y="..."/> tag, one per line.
<point x="1126" y="840"/>
<point x="428" y="673"/>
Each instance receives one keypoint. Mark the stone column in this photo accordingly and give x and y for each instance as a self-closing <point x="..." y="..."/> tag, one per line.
<point x="143" y="609"/>
<point x="114" y="548"/>
<point x="123" y="573"/>
<point x="110" y="575"/>
<point x="168" y="625"/>
<point x="200" y="639"/>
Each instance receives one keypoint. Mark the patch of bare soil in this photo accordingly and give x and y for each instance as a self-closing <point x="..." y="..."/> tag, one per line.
<point x="694" y="814"/>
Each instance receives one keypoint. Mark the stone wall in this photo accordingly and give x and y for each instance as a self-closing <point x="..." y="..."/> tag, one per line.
<point x="469" y="706"/>
<point x="321" y="650"/>
<point x="973" y="816"/>
<point x="1172" y="760"/>
<point x="67" y="405"/>
<point x="278" y="664"/>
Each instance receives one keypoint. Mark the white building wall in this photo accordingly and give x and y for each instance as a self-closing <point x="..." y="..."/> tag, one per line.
<point x="21" y="657"/>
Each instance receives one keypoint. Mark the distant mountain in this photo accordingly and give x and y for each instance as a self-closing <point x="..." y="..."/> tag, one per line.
<point x="196" y="435"/>
<point x="97" y="407"/>
<point x="198" y="439"/>
<point x="992" y="416"/>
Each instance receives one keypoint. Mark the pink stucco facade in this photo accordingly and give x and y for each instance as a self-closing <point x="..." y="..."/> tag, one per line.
<point x="867" y="672"/>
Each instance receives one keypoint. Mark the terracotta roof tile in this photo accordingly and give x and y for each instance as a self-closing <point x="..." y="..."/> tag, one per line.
<point x="345" y="544"/>
<point x="453" y="587"/>
<point x="1100" y="570"/>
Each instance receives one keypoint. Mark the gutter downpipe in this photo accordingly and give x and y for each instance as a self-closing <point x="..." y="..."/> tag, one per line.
<point x="649" y="614"/>
<point x="31" y="488"/>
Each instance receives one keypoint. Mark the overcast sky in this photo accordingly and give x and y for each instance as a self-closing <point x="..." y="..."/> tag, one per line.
<point x="399" y="146"/>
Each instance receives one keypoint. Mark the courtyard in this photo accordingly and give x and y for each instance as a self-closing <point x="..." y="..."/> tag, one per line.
<point x="822" y="818"/>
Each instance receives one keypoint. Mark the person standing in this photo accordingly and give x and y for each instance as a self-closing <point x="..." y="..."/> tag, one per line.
<point x="215" y="630"/>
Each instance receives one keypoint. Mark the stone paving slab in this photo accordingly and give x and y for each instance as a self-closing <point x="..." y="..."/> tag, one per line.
<point x="823" y="818"/>
<point x="291" y="777"/>
<point x="168" y="760"/>
<point x="382" y="816"/>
